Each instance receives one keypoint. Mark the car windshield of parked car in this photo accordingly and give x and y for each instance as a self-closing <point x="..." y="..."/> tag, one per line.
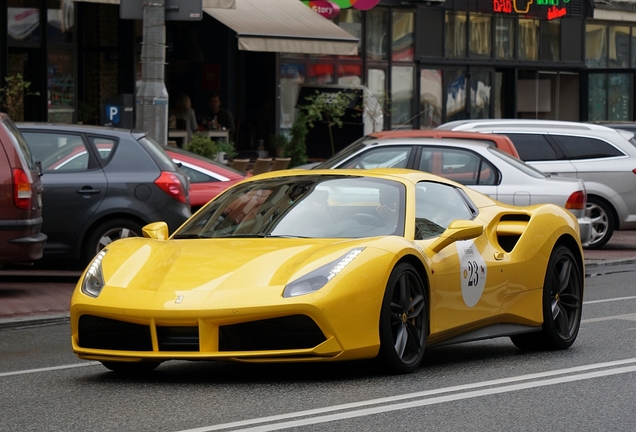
<point x="342" y="155"/>
<point x="303" y="206"/>
<point x="518" y="163"/>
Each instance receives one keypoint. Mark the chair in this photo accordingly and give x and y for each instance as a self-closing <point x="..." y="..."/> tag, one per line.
<point x="280" y="164"/>
<point x="240" y="164"/>
<point x="261" y="165"/>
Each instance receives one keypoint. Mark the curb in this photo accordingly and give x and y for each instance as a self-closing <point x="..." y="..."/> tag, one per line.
<point x="33" y="321"/>
<point x="604" y="263"/>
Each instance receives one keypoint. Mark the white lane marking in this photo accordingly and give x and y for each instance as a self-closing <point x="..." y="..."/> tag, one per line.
<point x="47" y="369"/>
<point x="438" y="400"/>
<point x="629" y="317"/>
<point x="421" y="394"/>
<point x="609" y="300"/>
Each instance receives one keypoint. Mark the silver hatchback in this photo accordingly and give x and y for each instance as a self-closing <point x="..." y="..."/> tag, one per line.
<point x="604" y="158"/>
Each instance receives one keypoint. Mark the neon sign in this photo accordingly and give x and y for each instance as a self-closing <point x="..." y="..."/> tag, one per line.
<point x="550" y="9"/>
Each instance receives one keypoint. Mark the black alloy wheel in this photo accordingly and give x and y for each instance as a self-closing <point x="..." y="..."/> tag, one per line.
<point x="403" y="321"/>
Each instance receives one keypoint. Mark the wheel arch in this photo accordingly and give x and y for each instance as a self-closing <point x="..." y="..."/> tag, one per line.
<point x="421" y="270"/>
<point x="569" y="242"/>
<point x="614" y="210"/>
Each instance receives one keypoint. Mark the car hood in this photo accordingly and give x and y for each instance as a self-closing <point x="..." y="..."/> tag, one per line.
<point x="217" y="264"/>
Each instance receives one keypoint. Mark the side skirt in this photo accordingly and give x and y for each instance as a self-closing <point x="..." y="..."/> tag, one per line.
<point x="490" y="332"/>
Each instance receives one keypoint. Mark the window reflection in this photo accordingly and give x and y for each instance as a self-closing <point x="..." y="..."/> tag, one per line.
<point x="551" y="40"/>
<point x="401" y="95"/>
<point x="377" y="29"/>
<point x="504" y="38"/>
<point x="321" y="74"/>
<point x="455" y="95"/>
<point x="430" y="98"/>
<point x="292" y="75"/>
<point x="596" y="45"/>
<point x="618" y="46"/>
<point x="480" y="37"/>
<point x="528" y="39"/>
<point x="403" y="41"/>
<point x="480" y="90"/>
<point x="455" y="35"/>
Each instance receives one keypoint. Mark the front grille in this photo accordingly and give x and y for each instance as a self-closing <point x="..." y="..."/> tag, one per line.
<point x="103" y="333"/>
<point x="178" y="338"/>
<point x="292" y="332"/>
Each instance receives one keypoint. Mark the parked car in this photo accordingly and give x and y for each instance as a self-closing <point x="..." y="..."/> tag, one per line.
<point x="500" y="141"/>
<point x="102" y="184"/>
<point x="603" y="157"/>
<point x="304" y="266"/>
<point x="207" y="177"/>
<point x="21" y="239"/>
<point x="478" y="165"/>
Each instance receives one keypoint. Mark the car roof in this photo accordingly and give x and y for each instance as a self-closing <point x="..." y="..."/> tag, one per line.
<point x="500" y="141"/>
<point x="488" y="124"/>
<point x="79" y="128"/>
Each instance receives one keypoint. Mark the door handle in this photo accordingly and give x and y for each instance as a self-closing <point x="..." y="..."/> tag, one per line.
<point x="88" y="191"/>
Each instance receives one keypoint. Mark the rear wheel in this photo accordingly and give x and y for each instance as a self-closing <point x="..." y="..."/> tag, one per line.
<point x="107" y="233"/>
<point x="562" y="305"/>
<point x="131" y="368"/>
<point x="602" y="222"/>
<point x="403" y="321"/>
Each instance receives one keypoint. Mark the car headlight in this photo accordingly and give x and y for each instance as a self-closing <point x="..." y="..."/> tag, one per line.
<point x="318" y="278"/>
<point x="93" y="281"/>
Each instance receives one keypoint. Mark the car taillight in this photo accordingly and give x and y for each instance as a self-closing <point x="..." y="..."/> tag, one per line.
<point x="22" y="192"/>
<point x="170" y="184"/>
<point x="576" y="201"/>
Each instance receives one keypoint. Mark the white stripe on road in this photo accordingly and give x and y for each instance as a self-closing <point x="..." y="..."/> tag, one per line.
<point x="609" y="300"/>
<point x="430" y="401"/>
<point x="47" y="369"/>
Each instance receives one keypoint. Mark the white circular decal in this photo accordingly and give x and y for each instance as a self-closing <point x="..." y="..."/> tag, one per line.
<point x="472" y="272"/>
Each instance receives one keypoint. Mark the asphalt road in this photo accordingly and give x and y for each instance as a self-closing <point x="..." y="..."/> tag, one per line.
<point x="480" y="386"/>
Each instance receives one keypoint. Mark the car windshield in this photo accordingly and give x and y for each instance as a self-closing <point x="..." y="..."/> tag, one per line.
<point x="316" y="206"/>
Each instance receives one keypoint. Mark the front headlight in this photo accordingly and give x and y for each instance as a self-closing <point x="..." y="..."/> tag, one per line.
<point x="93" y="281"/>
<point x="318" y="278"/>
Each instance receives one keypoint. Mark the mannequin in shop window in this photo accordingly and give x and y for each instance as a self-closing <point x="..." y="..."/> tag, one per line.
<point x="184" y="116"/>
<point x="219" y="118"/>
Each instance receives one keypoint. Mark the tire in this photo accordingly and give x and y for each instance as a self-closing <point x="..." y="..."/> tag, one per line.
<point x="131" y="368"/>
<point x="562" y="305"/>
<point x="602" y="217"/>
<point x="107" y="233"/>
<point x="403" y="321"/>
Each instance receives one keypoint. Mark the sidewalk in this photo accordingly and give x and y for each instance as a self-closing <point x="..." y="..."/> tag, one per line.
<point x="45" y="300"/>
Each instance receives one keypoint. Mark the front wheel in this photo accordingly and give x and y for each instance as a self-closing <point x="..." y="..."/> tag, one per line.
<point x="108" y="232"/>
<point x="403" y="321"/>
<point x="562" y="304"/>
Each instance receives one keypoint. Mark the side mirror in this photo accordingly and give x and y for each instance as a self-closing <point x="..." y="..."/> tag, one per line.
<point x="156" y="231"/>
<point x="457" y="230"/>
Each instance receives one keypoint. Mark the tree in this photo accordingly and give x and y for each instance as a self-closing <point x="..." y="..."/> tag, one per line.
<point x="12" y="96"/>
<point x="327" y="107"/>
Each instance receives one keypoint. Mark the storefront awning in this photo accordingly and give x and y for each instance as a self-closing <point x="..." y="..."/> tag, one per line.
<point x="220" y="4"/>
<point x="285" y="26"/>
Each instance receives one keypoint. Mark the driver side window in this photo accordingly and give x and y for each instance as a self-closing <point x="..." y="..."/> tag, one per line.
<point x="436" y="206"/>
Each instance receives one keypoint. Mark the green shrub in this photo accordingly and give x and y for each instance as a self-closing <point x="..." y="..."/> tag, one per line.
<point x="203" y="145"/>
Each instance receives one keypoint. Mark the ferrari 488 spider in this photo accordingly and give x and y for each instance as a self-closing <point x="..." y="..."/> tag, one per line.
<point x="333" y="265"/>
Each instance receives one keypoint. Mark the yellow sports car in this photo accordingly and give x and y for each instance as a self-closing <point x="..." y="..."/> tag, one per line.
<point x="302" y="266"/>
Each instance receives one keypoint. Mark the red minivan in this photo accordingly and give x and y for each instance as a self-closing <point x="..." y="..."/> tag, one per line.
<point x="20" y="198"/>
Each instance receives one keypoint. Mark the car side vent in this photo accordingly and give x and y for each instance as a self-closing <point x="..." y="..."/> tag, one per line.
<point x="178" y="338"/>
<point x="103" y="333"/>
<point x="509" y="230"/>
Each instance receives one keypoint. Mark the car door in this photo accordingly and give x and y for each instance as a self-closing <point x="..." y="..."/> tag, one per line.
<point x="461" y="165"/>
<point x="467" y="285"/>
<point x="74" y="184"/>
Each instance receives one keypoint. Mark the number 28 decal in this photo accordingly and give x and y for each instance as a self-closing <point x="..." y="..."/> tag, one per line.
<point x="473" y="272"/>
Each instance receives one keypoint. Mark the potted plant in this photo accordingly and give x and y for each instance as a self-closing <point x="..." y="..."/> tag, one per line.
<point x="201" y="144"/>
<point x="225" y="150"/>
<point x="12" y="96"/>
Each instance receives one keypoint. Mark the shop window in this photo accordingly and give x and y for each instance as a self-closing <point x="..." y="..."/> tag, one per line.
<point x="550" y="40"/>
<point x="618" y="47"/>
<point x="350" y="74"/>
<point x="321" y="74"/>
<point x="528" y="39"/>
<point x="403" y="45"/>
<point x="504" y="38"/>
<point x="350" y="20"/>
<point x="430" y="98"/>
<point x="633" y="47"/>
<point x="377" y="34"/>
<point x="596" y="45"/>
<point x="610" y="97"/>
<point x="597" y="97"/>
<point x="401" y="96"/>
<point x="455" y="95"/>
<point x="455" y="35"/>
<point x="480" y="95"/>
<point x="480" y="36"/>
<point x="23" y="23"/>
<point x="292" y="75"/>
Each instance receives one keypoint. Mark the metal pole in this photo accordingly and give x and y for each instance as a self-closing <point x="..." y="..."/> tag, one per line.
<point x="152" y="96"/>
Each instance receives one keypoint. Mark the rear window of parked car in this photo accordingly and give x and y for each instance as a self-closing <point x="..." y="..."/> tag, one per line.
<point x="576" y="147"/>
